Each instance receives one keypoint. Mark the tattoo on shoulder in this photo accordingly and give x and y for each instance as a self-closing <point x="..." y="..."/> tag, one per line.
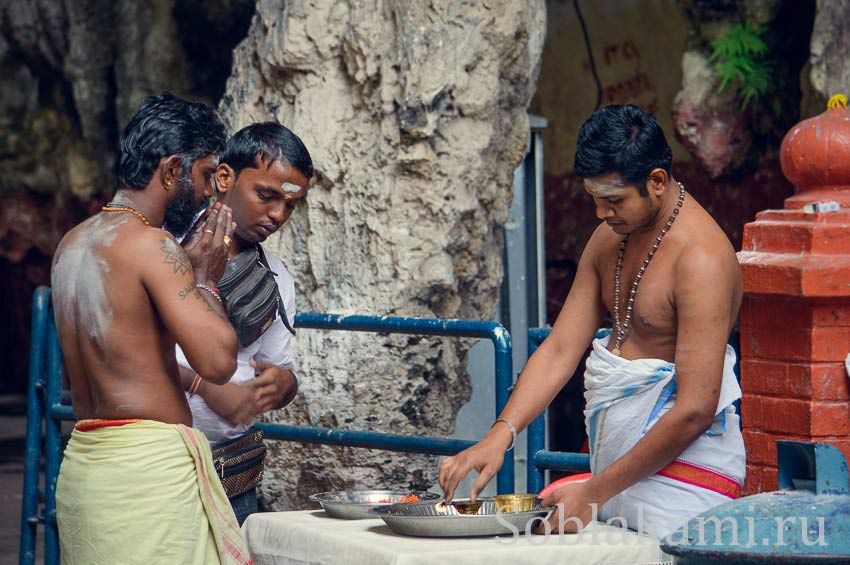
<point x="175" y="257"/>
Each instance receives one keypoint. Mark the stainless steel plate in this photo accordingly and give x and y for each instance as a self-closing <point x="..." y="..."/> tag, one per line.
<point x="355" y="504"/>
<point x="423" y="519"/>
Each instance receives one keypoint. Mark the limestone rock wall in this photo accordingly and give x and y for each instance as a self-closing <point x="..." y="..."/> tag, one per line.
<point x="415" y="115"/>
<point x="830" y="68"/>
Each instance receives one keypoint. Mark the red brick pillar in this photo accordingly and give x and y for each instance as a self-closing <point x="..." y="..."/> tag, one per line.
<point x="795" y="318"/>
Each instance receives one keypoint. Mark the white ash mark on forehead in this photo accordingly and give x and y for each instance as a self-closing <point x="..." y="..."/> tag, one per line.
<point x="605" y="189"/>
<point x="288" y="187"/>
<point x="79" y="276"/>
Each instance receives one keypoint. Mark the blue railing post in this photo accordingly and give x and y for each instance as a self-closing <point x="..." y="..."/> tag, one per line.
<point x="35" y="415"/>
<point x="536" y="441"/>
<point x="505" y="481"/>
<point x="52" y="444"/>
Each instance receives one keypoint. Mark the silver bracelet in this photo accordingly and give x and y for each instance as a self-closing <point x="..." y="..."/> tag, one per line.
<point x="510" y="427"/>
<point x="211" y="290"/>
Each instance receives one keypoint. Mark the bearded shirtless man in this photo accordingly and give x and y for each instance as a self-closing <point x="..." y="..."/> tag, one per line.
<point x="134" y="485"/>
<point x="664" y="436"/>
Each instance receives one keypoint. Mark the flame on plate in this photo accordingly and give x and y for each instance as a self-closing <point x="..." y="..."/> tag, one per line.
<point x="441" y="508"/>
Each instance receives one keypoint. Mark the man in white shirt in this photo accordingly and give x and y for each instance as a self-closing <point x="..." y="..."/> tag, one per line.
<point x="262" y="175"/>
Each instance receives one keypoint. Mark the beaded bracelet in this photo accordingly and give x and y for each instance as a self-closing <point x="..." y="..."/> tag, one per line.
<point x="211" y="289"/>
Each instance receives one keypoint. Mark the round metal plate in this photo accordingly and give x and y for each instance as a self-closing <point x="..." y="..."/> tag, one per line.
<point x="425" y="520"/>
<point x="355" y="504"/>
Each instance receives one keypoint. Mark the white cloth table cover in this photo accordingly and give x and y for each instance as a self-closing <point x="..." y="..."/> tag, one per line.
<point x="311" y="537"/>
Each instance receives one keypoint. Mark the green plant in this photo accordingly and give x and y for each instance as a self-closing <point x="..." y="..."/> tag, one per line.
<point x="741" y="56"/>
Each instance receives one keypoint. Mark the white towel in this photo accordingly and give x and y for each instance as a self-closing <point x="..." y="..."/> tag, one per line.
<point x="624" y="400"/>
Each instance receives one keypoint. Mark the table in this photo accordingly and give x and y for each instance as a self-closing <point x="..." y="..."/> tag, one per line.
<point x="310" y="536"/>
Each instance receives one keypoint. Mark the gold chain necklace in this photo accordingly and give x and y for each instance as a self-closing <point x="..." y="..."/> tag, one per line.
<point x="623" y="330"/>
<point x="113" y="207"/>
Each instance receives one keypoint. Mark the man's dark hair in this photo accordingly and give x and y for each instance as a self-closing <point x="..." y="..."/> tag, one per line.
<point x="622" y="139"/>
<point x="265" y="143"/>
<point x="166" y="125"/>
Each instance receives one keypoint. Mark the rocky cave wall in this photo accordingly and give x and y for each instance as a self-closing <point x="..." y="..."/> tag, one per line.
<point x="415" y="115"/>
<point x="727" y="136"/>
<point x="72" y="73"/>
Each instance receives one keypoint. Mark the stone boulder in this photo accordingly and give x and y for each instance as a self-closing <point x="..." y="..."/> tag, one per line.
<point x="729" y="137"/>
<point x="709" y="125"/>
<point x="415" y="115"/>
<point x="830" y="68"/>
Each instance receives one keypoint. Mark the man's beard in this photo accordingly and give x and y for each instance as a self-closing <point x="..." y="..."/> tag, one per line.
<point x="181" y="211"/>
<point x="649" y="218"/>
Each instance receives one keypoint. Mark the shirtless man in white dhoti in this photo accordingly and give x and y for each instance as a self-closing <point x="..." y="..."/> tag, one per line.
<point x="664" y="435"/>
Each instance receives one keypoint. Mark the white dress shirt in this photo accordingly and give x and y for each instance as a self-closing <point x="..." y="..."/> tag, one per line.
<point x="274" y="346"/>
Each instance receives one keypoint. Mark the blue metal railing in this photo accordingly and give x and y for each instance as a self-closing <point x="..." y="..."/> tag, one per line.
<point x="35" y="416"/>
<point x="46" y="395"/>
<point x="437" y="446"/>
<point x="52" y="442"/>
<point x="539" y="459"/>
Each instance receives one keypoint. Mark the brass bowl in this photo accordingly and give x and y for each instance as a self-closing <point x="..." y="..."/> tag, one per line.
<point x="467" y="506"/>
<point x="515" y="502"/>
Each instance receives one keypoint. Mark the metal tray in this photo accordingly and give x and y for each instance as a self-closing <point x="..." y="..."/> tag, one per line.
<point x="424" y="520"/>
<point x="355" y="504"/>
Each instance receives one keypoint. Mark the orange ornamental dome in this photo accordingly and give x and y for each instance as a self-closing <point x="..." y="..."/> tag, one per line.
<point x="815" y="156"/>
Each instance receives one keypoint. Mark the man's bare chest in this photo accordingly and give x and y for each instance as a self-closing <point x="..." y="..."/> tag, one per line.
<point x="652" y="299"/>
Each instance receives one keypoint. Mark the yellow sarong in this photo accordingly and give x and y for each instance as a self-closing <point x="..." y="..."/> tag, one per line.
<point x="140" y="491"/>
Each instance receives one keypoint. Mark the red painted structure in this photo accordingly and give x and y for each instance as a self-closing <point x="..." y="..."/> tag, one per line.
<point x="795" y="318"/>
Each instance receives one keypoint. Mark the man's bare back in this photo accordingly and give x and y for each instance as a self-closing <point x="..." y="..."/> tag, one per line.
<point x="694" y="236"/>
<point x="115" y="345"/>
<point x="123" y="294"/>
